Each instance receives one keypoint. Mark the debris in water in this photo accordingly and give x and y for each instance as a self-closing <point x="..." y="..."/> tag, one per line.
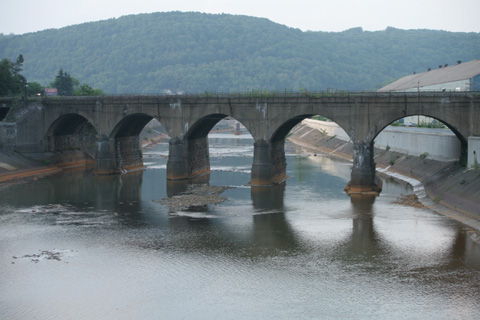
<point x="45" y="254"/>
<point x="410" y="200"/>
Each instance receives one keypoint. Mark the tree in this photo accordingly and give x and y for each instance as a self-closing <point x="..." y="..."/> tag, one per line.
<point x="86" y="90"/>
<point x="6" y="77"/>
<point x="11" y="81"/>
<point x="64" y="83"/>
<point x="17" y="67"/>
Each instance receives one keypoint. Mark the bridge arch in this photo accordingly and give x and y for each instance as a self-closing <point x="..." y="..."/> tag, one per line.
<point x="282" y="131"/>
<point x="269" y="166"/>
<point x="189" y="155"/>
<point x="127" y="148"/>
<point x="453" y="128"/>
<point x="70" y="132"/>
<point x="202" y="126"/>
<point x="131" y="125"/>
<point x="461" y="138"/>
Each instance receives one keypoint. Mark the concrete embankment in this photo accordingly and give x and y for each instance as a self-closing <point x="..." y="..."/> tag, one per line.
<point x="442" y="186"/>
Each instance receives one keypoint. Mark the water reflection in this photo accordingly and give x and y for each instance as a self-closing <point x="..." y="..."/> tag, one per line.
<point x="268" y="198"/>
<point x="363" y="240"/>
<point x="366" y="241"/>
<point x="463" y="251"/>
<point x="271" y="231"/>
<point x="258" y="251"/>
<point x="273" y="235"/>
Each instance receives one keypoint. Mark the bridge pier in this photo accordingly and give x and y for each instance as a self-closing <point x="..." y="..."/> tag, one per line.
<point x="118" y="155"/>
<point x="128" y="154"/>
<point x="188" y="158"/>
<point x="269" y="164"/>
<point x="363" y="179"/>
<point x="177" y="168"/>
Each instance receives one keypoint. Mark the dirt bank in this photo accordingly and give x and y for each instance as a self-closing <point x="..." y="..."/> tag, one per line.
<point x="451" y="190"/>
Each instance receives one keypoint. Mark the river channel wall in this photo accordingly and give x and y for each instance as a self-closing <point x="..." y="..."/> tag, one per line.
<point x="439" y="144"/>
<point x="429" y="158"/>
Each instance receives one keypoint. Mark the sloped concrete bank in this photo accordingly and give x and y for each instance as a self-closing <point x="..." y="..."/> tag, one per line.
<point x="444" y="187"/>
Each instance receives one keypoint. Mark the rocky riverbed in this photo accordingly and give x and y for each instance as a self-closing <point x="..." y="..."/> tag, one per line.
<point x="196" y="196"/>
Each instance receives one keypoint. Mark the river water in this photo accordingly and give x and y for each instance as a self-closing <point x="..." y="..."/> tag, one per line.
<point x="75" y="246"/>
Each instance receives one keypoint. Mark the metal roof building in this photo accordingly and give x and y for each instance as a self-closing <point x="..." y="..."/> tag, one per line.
<point x="459" y="77"/>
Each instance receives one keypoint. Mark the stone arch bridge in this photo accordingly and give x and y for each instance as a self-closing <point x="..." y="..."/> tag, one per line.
<point x="53" y="124"/>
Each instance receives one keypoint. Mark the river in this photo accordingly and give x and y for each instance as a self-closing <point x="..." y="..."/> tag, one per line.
<point x="75" y="246"/>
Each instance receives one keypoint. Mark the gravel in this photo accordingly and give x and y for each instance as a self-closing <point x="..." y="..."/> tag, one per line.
<point x="196" y="195"/>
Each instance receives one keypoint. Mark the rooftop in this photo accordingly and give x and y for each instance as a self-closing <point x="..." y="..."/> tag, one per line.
<point x="460" y="71"/>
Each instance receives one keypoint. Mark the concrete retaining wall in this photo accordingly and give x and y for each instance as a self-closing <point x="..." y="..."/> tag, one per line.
<point x="8" y="135"/>
<point x="440" y="144"/>
<point x="473" y="152"/>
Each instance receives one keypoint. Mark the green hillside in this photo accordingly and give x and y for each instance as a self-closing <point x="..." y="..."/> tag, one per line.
<point x="196" y="52"/>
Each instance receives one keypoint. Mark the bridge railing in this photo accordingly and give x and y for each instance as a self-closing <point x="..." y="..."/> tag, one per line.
<point x="305" y="93"/>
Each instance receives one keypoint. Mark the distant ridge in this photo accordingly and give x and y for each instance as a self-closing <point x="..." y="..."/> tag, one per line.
<point x="198" y="52"/>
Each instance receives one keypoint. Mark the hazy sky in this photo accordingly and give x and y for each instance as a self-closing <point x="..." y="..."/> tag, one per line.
<point x="22" y="16"/>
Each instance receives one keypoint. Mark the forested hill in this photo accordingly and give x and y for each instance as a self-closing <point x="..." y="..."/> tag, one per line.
<point x="196" y="52"/>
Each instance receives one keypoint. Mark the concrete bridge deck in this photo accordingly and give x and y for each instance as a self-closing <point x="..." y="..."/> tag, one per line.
<point x="107" y="127"/>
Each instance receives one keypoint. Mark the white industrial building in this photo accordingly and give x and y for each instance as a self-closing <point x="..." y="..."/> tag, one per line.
<point x="460" y="77"/>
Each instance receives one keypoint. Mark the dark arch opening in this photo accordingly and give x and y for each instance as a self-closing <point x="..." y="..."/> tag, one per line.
<point x="131" y="125"/>
<point x="196" y="145"/>
<point x="203" y="126"/>
<point x="67" y="124"/>
<point x="71" y="132"/>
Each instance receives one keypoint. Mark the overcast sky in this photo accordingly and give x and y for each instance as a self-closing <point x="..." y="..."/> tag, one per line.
<point x="22" y="16"/>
